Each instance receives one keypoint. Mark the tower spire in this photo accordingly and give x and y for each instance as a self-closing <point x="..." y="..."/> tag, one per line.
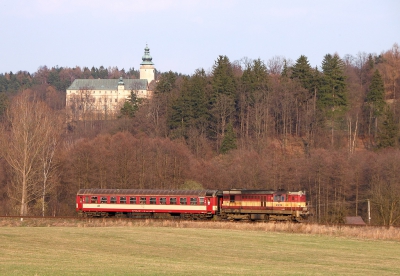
<point x="147" y="59"/>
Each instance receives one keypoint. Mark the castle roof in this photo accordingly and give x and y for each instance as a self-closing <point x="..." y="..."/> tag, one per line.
<point x="108" y="84"/>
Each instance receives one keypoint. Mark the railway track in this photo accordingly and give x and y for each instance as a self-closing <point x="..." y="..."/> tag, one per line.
<point x="125" y="219"/>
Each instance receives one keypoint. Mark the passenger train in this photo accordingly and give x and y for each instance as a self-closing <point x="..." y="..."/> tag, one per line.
<point x="233" y="204"/>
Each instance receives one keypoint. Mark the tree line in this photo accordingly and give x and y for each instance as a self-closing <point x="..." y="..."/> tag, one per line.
<point x="332" y="131"/>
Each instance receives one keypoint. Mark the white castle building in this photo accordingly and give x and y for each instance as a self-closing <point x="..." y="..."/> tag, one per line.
<point x="87" y="97"/>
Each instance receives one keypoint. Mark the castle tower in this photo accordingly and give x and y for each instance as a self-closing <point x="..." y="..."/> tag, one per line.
<point x="147" y="70"/>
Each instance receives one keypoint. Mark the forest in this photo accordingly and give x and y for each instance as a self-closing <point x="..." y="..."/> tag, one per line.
<point x="332" y="131"/>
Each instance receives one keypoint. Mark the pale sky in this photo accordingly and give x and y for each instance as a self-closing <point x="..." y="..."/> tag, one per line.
<point x="189" y="34"/>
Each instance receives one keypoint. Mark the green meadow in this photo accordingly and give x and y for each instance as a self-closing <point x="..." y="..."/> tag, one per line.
<point x="189" y="251"/>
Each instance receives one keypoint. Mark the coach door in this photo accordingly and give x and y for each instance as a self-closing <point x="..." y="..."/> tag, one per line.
<point x="79" y="203"/>
<point x="209" y="204"/>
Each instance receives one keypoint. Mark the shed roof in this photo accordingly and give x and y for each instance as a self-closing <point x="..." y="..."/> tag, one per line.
<point x="354" y="220"/>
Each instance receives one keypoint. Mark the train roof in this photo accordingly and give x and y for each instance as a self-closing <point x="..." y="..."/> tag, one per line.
<point x="149" y="192"/>
<point x="255" y="192"/>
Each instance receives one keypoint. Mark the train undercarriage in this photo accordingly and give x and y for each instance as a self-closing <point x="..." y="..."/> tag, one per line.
<point x="232" y="216"/>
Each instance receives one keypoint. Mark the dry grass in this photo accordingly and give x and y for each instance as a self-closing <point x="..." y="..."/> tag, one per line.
<point x="358" y="232"/>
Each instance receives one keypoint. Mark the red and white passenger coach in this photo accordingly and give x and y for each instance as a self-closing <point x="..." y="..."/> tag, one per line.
<point x="130" y="202"/>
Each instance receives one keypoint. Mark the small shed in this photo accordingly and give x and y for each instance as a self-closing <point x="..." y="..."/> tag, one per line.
<point x="354" y="220"/>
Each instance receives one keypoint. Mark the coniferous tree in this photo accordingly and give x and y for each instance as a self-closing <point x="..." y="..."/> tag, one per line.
<point x="223" y="97"/>
<point x="166" y="83"/>
<point x="189" y="110"/>
<point x="375" y="103"/>
<point x="388" y="131"/>
<point x="4" y="101"/>
<point x="255" y="76"/>
<point x="376" y="94"/>
<point x="332" y="96"/>
<point x="229" y="141"/>
<point x="223" y="81"/>
<point x="131" y="105"/>
<point x="302" y="72"/>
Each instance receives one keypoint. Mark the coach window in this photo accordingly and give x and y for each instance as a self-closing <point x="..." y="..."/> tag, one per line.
<point x="113" y="199"/>
<point x="201" y="200"/>
<point x="163" y="200"/>
<point x="122" y="200"/>
<point x="193" y="201"/>
<point x="153" y="200"/>
<point x="94" y="199"/>
<point x="183" y="201"/>
<point x="103" y="199"/>
<point x="232" y="198"/>
<point x="143" y="200"/>
<point x="172" y="200"/>
<point x="132" y="200"/>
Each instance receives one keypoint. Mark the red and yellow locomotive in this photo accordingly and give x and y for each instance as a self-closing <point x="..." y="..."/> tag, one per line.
<point x="235" y="204"/>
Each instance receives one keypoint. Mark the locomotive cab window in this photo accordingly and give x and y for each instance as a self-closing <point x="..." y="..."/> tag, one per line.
<point x="172" y="200"/>
<point x="122" y="200"/>
<point x="113" y="199"/>
<point x="153" y="200"/>
<point x="279" y="198"/>
<point x="93" y="199"/>
<point x="86" y="199"/>
<point x="132" y="200"/>
<point x="193" y="201"/>
<point x="163" y="200"/>
<point x="232" y="198"/>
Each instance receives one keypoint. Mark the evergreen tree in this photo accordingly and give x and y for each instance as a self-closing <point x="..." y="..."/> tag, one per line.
<point x="94" y="72"/>
<point x="285" y="71"/>
<point x="4" y="102"/>
<point x="3" y="83"/>
<point x="333" y="95"/>
<point x="255" y="76"/>
<point x="229" y="141"/>
<point x="189" y="110"/>
<point x="388" y="130"/>
<point x="223" y="81"/>
<point x="131" y="105"/>
<point x="166" y="83"/>
<point x="302" y="72"/>
<point x="181" y="111"/>
<point x="376" y="94"/>
<point x="223" y="97"/>
<point x="374" y="103"/>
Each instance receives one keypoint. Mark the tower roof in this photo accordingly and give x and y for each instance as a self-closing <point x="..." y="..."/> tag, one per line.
<point x="146" y="57"/>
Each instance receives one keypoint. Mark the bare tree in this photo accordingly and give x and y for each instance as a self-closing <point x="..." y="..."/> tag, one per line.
<point x="26" y="131"/>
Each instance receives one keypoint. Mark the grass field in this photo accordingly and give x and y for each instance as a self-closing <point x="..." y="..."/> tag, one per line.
<point x="147" y="250"/>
